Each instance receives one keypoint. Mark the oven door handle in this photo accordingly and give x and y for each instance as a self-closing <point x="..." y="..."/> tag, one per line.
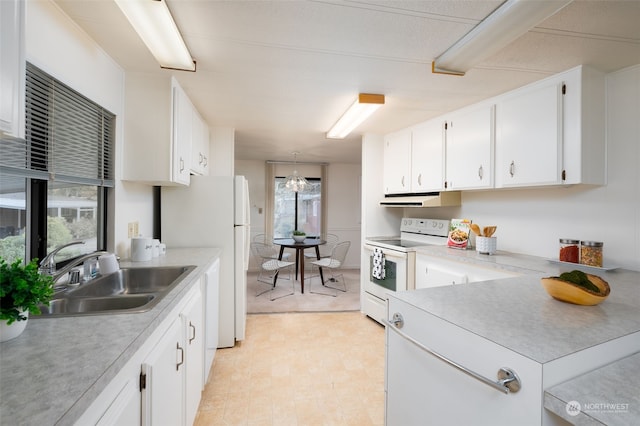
<point x="387" y="252"/>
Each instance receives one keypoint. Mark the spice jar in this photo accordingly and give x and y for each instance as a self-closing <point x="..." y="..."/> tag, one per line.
<point x="591" y="253"/>
<point x="569" y="250"/>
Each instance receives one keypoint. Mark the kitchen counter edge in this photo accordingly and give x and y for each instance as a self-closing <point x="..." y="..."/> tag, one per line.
<point x="54" y="371"/>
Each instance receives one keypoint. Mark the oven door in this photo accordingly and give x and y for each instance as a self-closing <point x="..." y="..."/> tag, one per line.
<point x="396" y="276"/>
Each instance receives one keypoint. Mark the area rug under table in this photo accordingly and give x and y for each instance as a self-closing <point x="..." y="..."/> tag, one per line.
<point x="298" y="302"/>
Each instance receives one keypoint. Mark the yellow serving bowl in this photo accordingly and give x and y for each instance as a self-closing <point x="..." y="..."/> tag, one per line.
<point x="573" y="293"/>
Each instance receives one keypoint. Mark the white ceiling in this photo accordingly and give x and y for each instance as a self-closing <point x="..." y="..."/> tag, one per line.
<point x="282" y="72"/>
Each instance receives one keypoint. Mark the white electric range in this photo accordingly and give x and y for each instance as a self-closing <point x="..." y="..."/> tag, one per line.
<point x="399" y="261"/>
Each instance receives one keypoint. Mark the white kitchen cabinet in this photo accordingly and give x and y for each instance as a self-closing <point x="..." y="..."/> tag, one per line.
<point x="427" y="156"/>
<point x="552" y="132"/>
<point x="199" y="145"/>
<point x="172" y="373"/>
<point x="157" y="130"/>
<point x="182" y="129"/>
<point x="162" y="396"/>
<point x="469" y="148"/>
<point x="193" y="322"/>
<point x="12" y="68"/>
<point x="397" y="162"/>
<point x="433" y="271"/>
<point x="421" y="388"/>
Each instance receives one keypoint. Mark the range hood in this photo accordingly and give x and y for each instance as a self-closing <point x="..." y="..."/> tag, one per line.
<point x="427" y="199"/>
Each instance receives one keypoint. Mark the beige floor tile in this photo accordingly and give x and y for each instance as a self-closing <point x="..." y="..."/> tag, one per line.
<point x="299" y="369"/>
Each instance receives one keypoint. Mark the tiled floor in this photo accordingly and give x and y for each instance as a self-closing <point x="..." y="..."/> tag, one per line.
<point x="299" y="369"/>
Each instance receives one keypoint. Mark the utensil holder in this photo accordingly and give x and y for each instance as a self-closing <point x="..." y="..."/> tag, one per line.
<point x="486" y="245"/>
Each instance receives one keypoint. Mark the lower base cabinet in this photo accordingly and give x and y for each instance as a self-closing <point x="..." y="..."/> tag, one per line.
<point x="457" y="386"/>
<point x="162" y="382"/>
<point x="171" y="378"/>
<point x="422" y="389"/>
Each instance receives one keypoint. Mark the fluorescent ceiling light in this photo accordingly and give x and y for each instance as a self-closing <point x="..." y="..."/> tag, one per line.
<point x="508" y="22"/>
<point x="154" y="24"/>
<point x="363" y="107"/>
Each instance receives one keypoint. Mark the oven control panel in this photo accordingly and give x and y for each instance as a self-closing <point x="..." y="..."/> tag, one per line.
<point x="438" y="227"/>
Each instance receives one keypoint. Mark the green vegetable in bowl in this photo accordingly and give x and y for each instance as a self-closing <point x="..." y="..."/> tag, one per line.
<point x="579" y="278"/>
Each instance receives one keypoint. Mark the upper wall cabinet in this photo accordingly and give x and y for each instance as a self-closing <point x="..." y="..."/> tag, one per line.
<point x="397" y="162"/>
<point x="469" y="148"/>
<point x="199" y="145"/>
<point x="427" y="156"/>
<point x="552" y="132"/>
<point x="158" y="128"/>
<point x="12" y="68"/>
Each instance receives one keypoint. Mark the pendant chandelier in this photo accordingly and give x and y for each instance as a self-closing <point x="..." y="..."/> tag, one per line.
<point x="294" y="181"/>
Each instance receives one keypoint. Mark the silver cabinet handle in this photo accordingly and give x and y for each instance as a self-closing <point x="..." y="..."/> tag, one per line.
<point x="480" y="172"/>
<point x="420" y="179"/>
<point x="193" y="328"/>
<point x="512" y="168"/>
<point x="200" y="158"/>
<point x="402" y="181"/>
<point x="508" y="380"/>
<point x="181" y="164"/>
<point x="181" y="356"/>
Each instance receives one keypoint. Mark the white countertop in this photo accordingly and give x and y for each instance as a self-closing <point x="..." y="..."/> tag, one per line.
<point x="58" y="366"/>
<point x="517" y="313"/>
<point x="609" y="395"/>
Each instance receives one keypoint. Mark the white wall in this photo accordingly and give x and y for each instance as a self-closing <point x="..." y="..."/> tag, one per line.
<point x="343" y="186"/>
<point x="57" y="45"/>
<point x="531" y="221"/>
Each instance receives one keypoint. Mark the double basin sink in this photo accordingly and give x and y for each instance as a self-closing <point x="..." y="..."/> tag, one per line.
<point x="129" y="290"/>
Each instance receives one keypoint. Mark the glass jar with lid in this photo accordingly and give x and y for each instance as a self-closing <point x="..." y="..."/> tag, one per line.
<point x="569" y="250"/>
<point x="591" y="253"/>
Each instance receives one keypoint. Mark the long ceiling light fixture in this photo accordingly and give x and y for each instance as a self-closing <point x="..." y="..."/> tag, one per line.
<point x="508" y="22"/>
<point x="362" y="108"/>
<point x="154" y="24"/>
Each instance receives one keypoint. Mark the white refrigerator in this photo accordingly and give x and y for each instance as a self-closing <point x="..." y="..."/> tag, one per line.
<point x="214" y="211"/>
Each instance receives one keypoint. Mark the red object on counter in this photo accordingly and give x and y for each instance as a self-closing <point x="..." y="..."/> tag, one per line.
<point x="569" y="251"/>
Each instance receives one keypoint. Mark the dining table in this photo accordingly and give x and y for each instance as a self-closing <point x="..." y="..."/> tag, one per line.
<point x="300" y="247"/>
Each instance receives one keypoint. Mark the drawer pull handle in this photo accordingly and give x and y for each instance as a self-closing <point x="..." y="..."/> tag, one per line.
<point x="508" y="380"/>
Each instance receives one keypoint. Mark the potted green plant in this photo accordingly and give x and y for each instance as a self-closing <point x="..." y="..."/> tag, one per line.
<point x="299" y="236"/>
<point x="22" y="289"/>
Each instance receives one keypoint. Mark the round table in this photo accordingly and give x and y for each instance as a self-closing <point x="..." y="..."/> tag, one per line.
<point x="300" y="247"/>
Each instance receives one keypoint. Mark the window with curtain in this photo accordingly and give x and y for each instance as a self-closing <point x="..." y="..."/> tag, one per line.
<point x="297" y="210"/>
<point x="53" y="184"/>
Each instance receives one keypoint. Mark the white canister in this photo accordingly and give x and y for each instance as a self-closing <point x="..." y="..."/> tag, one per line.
<point x="108" y="264"/>
<point x="163" y="249"/>
<point x="156" y="248"/>
<point x="486" y="245"/>
<point x="141" y="249"/>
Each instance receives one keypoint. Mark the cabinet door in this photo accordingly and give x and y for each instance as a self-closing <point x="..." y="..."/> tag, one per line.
<point x="192" y="318"/>
<point x="181" y="142"/>
<point x="397" y="162"/>
<point x="125" y="409"/>
<point x="12" y="68"/>
<point x="199" y="145"/>
<point x="469" y="149"/>
<point x="162" y="395"/>
<point x="422" y="389"/>
<point x="529" y="137"/>
<point x="427" y="154"/>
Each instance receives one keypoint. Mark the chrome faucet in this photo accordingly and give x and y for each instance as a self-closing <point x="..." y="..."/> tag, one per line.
<point x="48" y="264"/>
<point x="74" y="263"/>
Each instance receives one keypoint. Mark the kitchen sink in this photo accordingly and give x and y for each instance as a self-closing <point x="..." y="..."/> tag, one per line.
<point x="129" y="290"/>
<point x="89" y="305"/>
